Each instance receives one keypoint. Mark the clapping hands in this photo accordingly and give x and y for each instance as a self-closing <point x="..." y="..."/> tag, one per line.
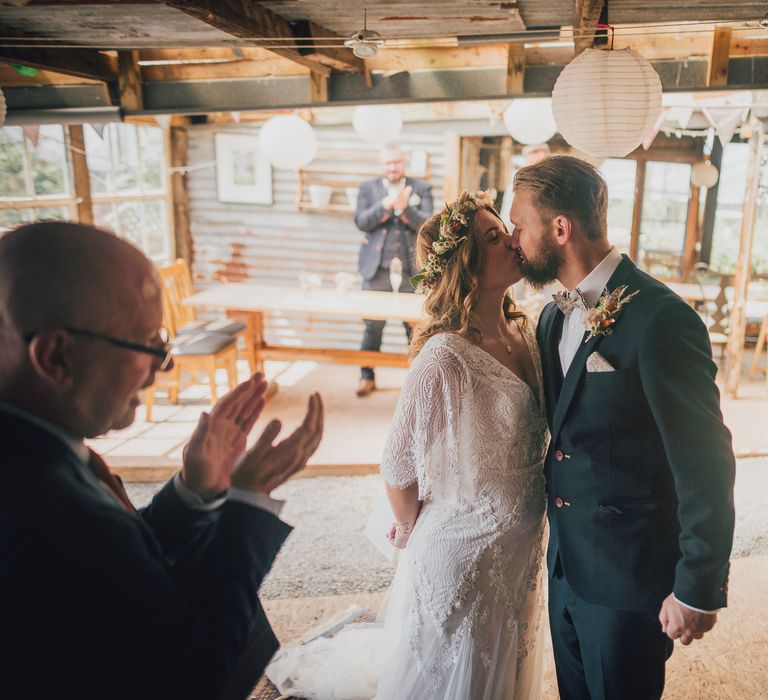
<point x="400" y="201"/>
<point x="215" y="458"/>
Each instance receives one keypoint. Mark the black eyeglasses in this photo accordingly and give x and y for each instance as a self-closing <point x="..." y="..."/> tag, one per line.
<point x="163" y="351"/>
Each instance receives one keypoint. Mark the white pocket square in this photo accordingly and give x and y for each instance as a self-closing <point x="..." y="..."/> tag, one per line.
<point x="414" y="200"/>
<point x="597" y="363"/>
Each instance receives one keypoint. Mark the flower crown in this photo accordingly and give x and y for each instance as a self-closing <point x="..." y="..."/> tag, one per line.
<point x="452" y="221"/>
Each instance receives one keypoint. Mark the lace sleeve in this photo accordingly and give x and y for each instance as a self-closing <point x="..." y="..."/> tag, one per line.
<point x="426" y="412"/>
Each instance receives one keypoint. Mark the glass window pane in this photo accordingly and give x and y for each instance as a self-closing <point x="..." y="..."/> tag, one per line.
<point x="12" y="162"/>
<point x="156" y="230"/>
<point x="130" y="222"/>
<point x="125" y="157"/>
<point x="620" y="176"/>
<point x="50" y="166"/>
<point x="664" y="217"/>
<point x="730" y="209"/>
<point x="152" y="147"/>
<point x="12" y="217"/>
<point x="51" y="214"/>
<point x="97" y="155"/>
<point x="105" y="216"/>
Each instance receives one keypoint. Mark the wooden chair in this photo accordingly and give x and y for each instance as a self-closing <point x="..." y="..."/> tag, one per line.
<point x="762" y="343"/>
<point x="182" y="319"/>
<point x="193" y="353"/>
<point x="715" y="317"/>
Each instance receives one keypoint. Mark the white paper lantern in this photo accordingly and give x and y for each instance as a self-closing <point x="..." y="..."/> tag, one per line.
<point x="530" y="120"/>
<point x="605" y="102"/>
<point x="2" y="108"/>
<point x="377" y="124"/>
<point x="287" y="141"/>
<point x="704" y="174"/>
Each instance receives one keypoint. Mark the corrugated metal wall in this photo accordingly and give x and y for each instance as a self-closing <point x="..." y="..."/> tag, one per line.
<point x="273" y="244"/>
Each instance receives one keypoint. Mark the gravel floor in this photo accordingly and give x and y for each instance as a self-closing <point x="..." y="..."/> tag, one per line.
<point x="328" y="554"/>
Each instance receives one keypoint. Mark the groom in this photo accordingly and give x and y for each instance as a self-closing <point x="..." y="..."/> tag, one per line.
<point x="640" y="468"/>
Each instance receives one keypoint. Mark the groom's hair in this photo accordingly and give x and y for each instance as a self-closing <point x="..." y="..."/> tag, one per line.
<point x="570" y="186"/>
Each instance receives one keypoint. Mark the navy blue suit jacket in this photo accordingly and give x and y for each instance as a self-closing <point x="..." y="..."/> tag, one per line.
<point x="96" y="602"/>
<point x="375" y="221"/>
<point x="640" y="468"/>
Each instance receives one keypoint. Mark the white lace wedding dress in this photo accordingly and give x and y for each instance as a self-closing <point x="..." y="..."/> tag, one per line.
<point x="464" y="609"/>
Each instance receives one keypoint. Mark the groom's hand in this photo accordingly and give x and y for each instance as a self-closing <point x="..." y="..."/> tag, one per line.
<point x="679" y="622"/>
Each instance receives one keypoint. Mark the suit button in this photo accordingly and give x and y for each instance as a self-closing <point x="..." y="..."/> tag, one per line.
<point x="559" y="502"/>
<point x="559" y="455"/>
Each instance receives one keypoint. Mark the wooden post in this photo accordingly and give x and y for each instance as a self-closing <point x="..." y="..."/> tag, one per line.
<point x="318" y="87"/>
<point x="637" y="211"/>
<point x="82" y="180"/>
<point x="738" y="323"/>
<point x="180" y="195"/>
<point x="691" y="234"/>
<point x="129" y="81"/>
<point x="515" y="69"/>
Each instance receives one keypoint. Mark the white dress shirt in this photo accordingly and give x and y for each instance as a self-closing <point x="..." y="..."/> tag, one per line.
<point x="394" y="189"/>
<point x="591" y="287"/>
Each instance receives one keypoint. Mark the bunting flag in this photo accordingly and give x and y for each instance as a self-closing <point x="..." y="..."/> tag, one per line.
<point x="651" y="135"/>
<point x="164" y="120"/>
<point x="725" y="120"/>
<point x="32" y="133"/>
<point x="99" y="129"/>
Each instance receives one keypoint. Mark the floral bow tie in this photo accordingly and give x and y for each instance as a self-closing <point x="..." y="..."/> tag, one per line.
<point x="568" y="301"/>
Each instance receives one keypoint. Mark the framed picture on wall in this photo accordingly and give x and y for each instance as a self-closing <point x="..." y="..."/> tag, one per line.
<point x="242" y="174"/>
<point x="418" y="164"/>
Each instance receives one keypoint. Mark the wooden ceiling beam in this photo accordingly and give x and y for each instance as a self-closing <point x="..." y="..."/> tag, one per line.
<point x="249" y="20"/>
<point x="587" y="17"/>
<point x="129" y="81"/>
<point x="717" y="74"/>
<point x="81" y="63"/>
<point x="275" y="65"/>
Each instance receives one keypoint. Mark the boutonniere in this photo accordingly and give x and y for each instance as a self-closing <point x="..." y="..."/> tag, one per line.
<point x="599" y="320"/>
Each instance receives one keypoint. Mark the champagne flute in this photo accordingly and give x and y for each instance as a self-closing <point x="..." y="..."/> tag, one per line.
<point x="396" y="274"/>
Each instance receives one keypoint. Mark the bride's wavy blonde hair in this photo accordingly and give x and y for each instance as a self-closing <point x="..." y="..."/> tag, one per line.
<point x="450" y="303"/>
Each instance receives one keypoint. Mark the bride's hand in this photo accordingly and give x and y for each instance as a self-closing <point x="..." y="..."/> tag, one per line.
<point x="399" y="534"/>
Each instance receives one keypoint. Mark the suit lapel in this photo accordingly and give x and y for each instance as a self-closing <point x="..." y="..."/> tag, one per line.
<point x="578" y="366"/>
<point x="552" y="328"/>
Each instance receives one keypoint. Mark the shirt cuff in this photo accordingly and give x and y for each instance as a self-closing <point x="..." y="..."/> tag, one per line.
<point x="258" y="500"/>
<point x="190" y="499"/>
<point x="690" y="607"/>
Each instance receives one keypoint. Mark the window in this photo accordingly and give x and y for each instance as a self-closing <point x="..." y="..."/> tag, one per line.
<point x="664" y="216"/>
<point x="730" y="212"/>
<point x="620" y="177"/>
<point x="126" y="164"/>
<point x="35" y="181"/>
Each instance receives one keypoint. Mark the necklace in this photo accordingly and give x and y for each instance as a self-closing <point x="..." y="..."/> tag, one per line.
<point x="498" y="339"/>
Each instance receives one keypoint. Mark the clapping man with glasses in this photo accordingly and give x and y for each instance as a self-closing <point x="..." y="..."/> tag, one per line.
<point x="96" y="599"/>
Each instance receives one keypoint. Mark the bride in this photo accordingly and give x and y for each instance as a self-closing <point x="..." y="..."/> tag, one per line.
<point x="463" y="470"/>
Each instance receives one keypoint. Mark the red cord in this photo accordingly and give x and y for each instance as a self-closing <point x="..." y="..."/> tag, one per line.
<point x="613" y="32"/>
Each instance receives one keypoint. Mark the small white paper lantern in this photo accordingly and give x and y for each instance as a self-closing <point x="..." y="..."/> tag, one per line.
<point x="3" y="108"/>
<point x="704" y="174"/>
<point x="377" y="124"/>
<point x="287" y="141"/>
<point x="530" y="120"/>
<point x="605" y="102"/>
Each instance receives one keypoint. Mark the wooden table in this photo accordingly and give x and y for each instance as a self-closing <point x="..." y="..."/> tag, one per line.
<point x="251" y="301"/>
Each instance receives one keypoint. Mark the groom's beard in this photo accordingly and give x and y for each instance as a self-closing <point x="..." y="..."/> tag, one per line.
<point x="543" y="269"/>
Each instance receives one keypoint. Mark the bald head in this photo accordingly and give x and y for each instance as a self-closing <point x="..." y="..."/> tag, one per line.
<point x="55" y="274"/>
<point x="57" y="280"/>
<point x="393" y="161"/>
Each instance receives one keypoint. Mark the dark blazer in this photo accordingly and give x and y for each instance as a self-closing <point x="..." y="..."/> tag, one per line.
<point x="376" y="222"/>
<point x="640" y="468"/>
<point x="96" y="602"/>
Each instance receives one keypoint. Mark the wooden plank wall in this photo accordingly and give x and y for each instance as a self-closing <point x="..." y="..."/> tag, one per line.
<point x="272" y="244"/>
